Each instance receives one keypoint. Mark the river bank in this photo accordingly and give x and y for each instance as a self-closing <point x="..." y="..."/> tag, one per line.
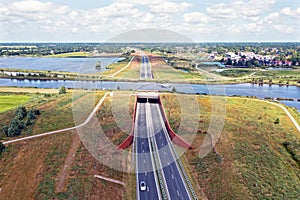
<point x="244" y="89"/>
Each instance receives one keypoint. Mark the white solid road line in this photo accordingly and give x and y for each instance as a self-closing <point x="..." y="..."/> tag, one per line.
<point x="172" y="152"/>
<point x="149" y="135"/>
<point x="62" y="130"/>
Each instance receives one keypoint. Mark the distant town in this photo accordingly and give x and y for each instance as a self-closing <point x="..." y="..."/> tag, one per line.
<point x="240" y="55"/>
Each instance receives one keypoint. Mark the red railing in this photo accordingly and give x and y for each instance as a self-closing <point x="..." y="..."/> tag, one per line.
<point x="129" y="140"/>
<point x="174" y="137"/>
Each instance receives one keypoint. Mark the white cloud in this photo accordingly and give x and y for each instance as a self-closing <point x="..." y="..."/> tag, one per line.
<point x="195" y="18"/>
<point x="231" y="17"/>
<point x="284" y="28"/>
<point x="169" y="7"/>
<point x="31" y="6"/>
<point x="247" y="10"/>
<point x="271" y="18"/>
<point x="290" y="12"/>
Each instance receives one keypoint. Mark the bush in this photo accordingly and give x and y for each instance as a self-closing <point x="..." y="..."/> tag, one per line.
<point x="31" y="115"/>
<point x="28" y="122"/>
<point x="37" y="112"/>
<point x="62" y="90"/>
<point x="20" y="112"/>
<point x="2" y="147"/>
<point x="5" y="129"/>
<point x="19" y="122"/>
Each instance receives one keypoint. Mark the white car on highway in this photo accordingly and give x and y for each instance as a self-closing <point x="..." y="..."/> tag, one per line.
<point x="143" y="186"/>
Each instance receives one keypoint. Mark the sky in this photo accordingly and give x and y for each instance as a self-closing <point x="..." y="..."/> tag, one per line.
<point x="198" y="20"/>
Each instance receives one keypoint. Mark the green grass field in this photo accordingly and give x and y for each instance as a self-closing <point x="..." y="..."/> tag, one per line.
<point x="70" y="55"/>
<point x="57" y="111"/>
<point x="31" y="170"/>
<point x="8" y="102"/>
<point x="252" y="162"/>
<point x="114" y="67"/>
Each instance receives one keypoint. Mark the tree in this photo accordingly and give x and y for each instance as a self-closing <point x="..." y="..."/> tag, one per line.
<point x="37" y="112"/>
<point x="31" y="114"/>
<point x="15" y="128"/>
<point x="174" y="89"/>
<point x="62" y="90"/>
<point x="2" y="147"/>
<point x="277" y="121"/>
<point x="28" y="122"/>
<point x="20" y="112"/>
<point x="5" y="129"/>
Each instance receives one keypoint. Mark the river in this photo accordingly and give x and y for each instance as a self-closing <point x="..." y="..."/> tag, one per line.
<point x="77" y="65"/>
<point x="245" y="89"/>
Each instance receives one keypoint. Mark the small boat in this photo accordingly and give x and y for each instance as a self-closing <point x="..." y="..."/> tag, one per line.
<point x="98" y="65"/>
<point x="165" y="85"/>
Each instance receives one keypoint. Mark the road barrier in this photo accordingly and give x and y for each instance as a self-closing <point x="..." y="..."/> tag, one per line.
<point x="176" y="139"/>
<point x="129" y="140"/>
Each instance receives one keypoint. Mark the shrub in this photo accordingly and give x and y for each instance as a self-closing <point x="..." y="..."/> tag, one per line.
<point x="20" y="112"/>
<point x="62" y="90"/>
<point x="2" y="147"/>
<point x="31" y="114"/>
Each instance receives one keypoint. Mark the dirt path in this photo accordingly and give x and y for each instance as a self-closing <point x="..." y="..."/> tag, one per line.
<point x="109" y="180"/>
<point x="123" y="68"/>
<point x="288" y="114"/>
<point x="64" y="173"/>
<point x="62" y="130"/>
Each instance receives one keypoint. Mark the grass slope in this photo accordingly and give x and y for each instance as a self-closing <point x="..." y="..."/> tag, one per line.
<point x="8" y="102"/>
<point x="30" y="170"/>
<point x="251" y="161"/>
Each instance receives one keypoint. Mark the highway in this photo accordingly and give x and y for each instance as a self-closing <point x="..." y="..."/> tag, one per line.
<point x="150" y="130"/>
<point x="145" y="71"/>
<point x="176" y="185"/>
<point x="144" y="161"/>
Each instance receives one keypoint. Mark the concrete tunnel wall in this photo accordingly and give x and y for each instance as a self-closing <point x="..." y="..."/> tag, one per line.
<point x="153" y="98"/>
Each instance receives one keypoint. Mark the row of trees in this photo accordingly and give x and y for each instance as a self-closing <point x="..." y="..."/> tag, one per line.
<point x="17" y="49"/>
<point x="22" y="119"/>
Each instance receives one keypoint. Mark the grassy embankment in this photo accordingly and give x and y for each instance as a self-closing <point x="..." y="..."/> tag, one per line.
<point x="237" y="75"/>
<point x="114" y="67"/>
<point x="56" y="111"/>
<point x="70" y="55"/>
<point x="8" y="102"/>
<point x="17" y="90"/>
<point x="133" y="71"/>
<point x="31" y="169"/>
<point x="165" y="73"/>
<point x="251" y="161"/>
<point x="161" y="71"/>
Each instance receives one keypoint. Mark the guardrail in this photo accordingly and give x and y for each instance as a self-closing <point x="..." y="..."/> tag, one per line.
<point x="184" y="173"/>
<point x="159" y="172"/>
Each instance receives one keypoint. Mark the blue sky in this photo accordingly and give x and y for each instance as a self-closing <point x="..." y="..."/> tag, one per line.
<point x="201" y="21"/>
